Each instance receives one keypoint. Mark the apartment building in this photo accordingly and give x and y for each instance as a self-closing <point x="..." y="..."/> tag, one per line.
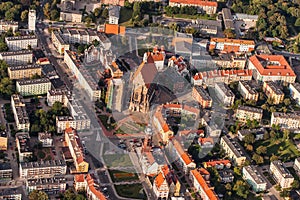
<point x="82" y="36"/>
<point x="281" y="174"/>
<point x="31" y="20"/>
<point x="42" y="169"/>
<point x="84" y="77"/>
<point x="23" y="146"/>
<point x="6" y="173"/>
<point x="271" y="68"/>
<point x="228" y="61"/>
<point x="297" y="165"/>
<point x="33" y="86"/>
<point x="227" y="19"/>
<point x="202" y="187"/>
<point x="254" y="178"/>
<point x="182" y="159"/>
<point x="76" y="149"/>
<point x="273" y="92"/>
<point x="20" y="113"/>
<point x="73" y="16"/>
<point x="59" y="42"/>
<point x="17" y="43"/>
<point x="233" y="150"/>
<point x="88" y="184"/>
<point x="244" y="113"/>
<point x="10" y="194"/>
<point x="201" y="96"/>
<point x="22" y="57"/>
<point x="6" y="25"/>
<point x="209" y="78"/>
<point x="3" y="140"/>
<point x="224" y="94"/>
<point x="51" y="186"/>
<point x="59" y="95"/>
<point x="286" y="120"/>
<point x="45" y="139"/>
<point x="160" y="187"/>
<point x="114" y="94"/>
<point x="114" y="14"/>
<point x="218" y="164"/>
<point x="209" y="7"/>
<point x="227" y="45"/>
<point x="295" y="92"/>
<point x="24" y="71"/>
<point x="247" y="91"/>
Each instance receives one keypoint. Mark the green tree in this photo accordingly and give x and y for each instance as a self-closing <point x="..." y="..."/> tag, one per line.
<point x="295" y="184"/>
<point x="297" y="22"/>
<point x="249" y="138"/>
<point x="54" y="15"/>
<point x="273" y="158"/>
<point x="24" y="15"/>
<point x="261" y="150"/>
<point x="3" y="47"/>
<point x="241" y="189"/>
<point x="258" y="159"/>
<point x="287" y="101"/>
<point x="38" y="195"/>
<point x="46" y="10"/>
<point x="229" y="33"/>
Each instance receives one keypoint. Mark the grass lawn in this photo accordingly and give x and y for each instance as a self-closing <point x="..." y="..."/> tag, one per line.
<point x="285" y="150"/>
<point x="117" y="160"/>
<point x="134" y="191"/>
<point x="130" y="128"/>
<point x="119" y="176"/>
<point x="104" y="120"/>
<point x="125" y="16"/>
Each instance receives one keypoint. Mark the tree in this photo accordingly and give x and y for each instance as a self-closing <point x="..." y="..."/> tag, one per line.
<point x="3" y="47"/>
<point x="297" y="22"/>
<point x="228" y="187"/>
<point x="24" y="15"/>
<point x="54" y="15"/>
<point x="258" y="159"/>
<point x="136" y="14"/>
<point x="249" y="138"/>
<point x="273" y="158"/>
<point x="286" y="134"/>
<point x="295" y="184"/>
<point x="261" y="150"/>
<point x="38" y="195"/>
<point x="287" y="101"/>
<point x="249" y="147"/>
<point x="241" y="189"/>
<point x="229" y="33"/>
<point x="104" y="14"/>
<point x="46" y="10"/>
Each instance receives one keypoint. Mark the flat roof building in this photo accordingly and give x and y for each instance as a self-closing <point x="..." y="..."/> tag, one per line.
<point x="21" y="42"/>
<point x="24" y="71"/>
<point x="254" y="178"/>
<point x="33" y="86"/>
<point x="22" y="57"/>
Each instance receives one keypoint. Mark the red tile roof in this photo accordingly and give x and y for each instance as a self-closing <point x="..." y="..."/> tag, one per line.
<point x="205" y="140"/>
<point x="181" y="152"/>
<point x="216" y="162"/>
<point x="208" y="191"/>
<point x="79" y="178"/>
<point x="92" y="188"/>
<point x="196" y="2"/>
<point x="114" y="29"/>
<point x="272" y="65"/>
<point x="159" y="180"/>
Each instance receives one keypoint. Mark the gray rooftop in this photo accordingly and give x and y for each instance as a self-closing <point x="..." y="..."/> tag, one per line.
<point x="255" y="174"/>
<point x="33" y="81"/>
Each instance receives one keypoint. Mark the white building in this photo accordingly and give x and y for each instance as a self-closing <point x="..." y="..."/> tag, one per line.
<point x="22" y="57"/>
<point x="286" y="120"/>
<point x="50" y="186"/>
<point x="160" y="187"/>
<point x="6" y="25"/>
<point x="33" y="87"/>
<point x="224" y="94"/>
<point x="20" y="113"/>
<point x="114" y="14"/>
<point x="42" y="169"/>
<point x="59" y="42"/>
<point x="31" y="20"/>
<point x="45" y="139"/>
<point x="59" y="95"/>
<point x="21" y="42"/>
<point x="295" y="92"/>
<point x="84" y="77"/>
<point x="23" y="146"/>
<point x="254" y="178"/>
<point x="73" y="16"/>
<point x="244" y="113"/>
<point x="281" y="174"/>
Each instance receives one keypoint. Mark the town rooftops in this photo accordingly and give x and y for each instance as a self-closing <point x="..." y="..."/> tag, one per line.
<point x="181" y="152"/>
<point x="203" y="93"/>
<point x="15" y="53"/>
<point x="216" y="162"/>
<point x="76" y="144"/>
<point x="221" y="73"/>
<point x="42" y="164"/>
<point x="59" y="92"/>
<point x="206" y="188"/>
<point x="3" y="134"/>
<point x="114" y="11"/>
<point x="232" y="41"/>
<point x="159" y="179"/>
<point x="250" y="109"/>
<point x="24" y="142"/>
<point x="91" y="184"/>
<point x="282" y="169"/>
<point x="48" y="181"/>
<point x="235" y="147"/>
<point x="59" y="38"/>
<point x="196" y="2"/>
<point x="2" y="22"/>
<point x="274" y="87"/>
<point x="272" y="65"/>
<point x="43" y="136"/>
<point x="255" y="174"/>
<point x="24" y="67"/>
<point x="243" y="16"/>
<point x="227" y="91"/>
<point x="226" y="14"/>
<point x="26" y="37"/>
<point x="286" y="115"/>
<point x="114" y="29"/>
<point x="247" y="85"/>
<point x="296" y="85"/>
<point x="33" y="81"/>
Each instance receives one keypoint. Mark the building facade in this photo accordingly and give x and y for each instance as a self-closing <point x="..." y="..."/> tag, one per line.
<point x="6" y="25"/>
<point x="281" y="174"/>
<point x="50" y="186"/>
<point x="24" y="71"/>
<point x="295" y="92"/>
<point x="286" y="120"/>
<point x="20" y="113"/>
<point x="17" y="43"/>
<point x="202" y="97"/>
<point x="59" y="42"/>
<point x="209" y="7"/>
<point x="22" y="57"/>
<point x="70" y="16"/>
<point x="224" y="94"/>
<point x="231" y="45"/>
<point x="247" y="91"/>
<point x="31" y="20"/>
<point x="254" y="178"/>
<point x="244" y="113"/>
<point x="33" y="87"/>
<point x="273" y="92"/>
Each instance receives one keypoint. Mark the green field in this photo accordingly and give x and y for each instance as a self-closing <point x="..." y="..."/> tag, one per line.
<point x="134" y="191"/>
<point x="117" y="160"/>
<point x="119" y="176"/>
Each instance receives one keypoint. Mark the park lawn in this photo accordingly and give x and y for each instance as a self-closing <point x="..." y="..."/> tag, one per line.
<point x="117" y="160"/>
<point x="104" y="120"/>
<point x="119" y="176"/>
<point x="284" y="149"/>
<point x="125" y="16"/>
<point x="134" y="191"/>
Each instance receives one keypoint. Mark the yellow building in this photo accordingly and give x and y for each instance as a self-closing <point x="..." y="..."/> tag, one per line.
<point x="24" y="71"/>
<point x="273" y="92"/>
<point x="3" y="141"/>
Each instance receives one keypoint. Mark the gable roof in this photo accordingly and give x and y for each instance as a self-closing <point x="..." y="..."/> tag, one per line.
<point x="196" y="2"/>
